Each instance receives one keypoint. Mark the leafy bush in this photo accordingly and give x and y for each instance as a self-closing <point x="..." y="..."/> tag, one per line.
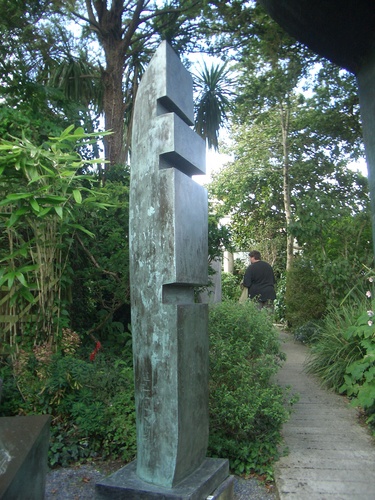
<point x="359" y="378"/>
<point x="92" y="402"/>
<point x="246" y="408"/>
<point x="335" y="350"/>
<point x="279" y="304"/>
<point x="308" y="333"/>
<point x="305" y="299"/>
<point x="230" y="287"/>
<point x="344" y="354"/>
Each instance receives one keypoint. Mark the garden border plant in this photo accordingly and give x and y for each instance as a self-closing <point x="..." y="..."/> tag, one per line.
<point x="343" y="354"/>
<point x="92" y="402"/>
<point x="247" y="410"/>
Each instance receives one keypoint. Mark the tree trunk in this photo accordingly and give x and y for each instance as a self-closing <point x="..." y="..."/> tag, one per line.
<point x="113" y="104"/>
<point x="284" y="118"/>
<point x="116" y="39"/>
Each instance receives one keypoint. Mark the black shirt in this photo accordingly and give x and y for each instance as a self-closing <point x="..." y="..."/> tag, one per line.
<point x="260" y="281"/>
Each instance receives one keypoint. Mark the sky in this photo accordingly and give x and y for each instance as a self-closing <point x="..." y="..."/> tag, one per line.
<point x="214" y="161"/>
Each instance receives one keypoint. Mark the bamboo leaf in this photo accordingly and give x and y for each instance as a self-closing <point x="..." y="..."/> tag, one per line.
<point x="84" y="230"/>
<point x="21" y="211"/>
<point x="21" y="278"/>
<point x="77" y="196"/>
<point x="3" y="279"/>
<point x="27" y="269"/>
<point x="18" y="196"/>
<point x="64" y="133"/>
<point x="12" y="220"/>
<point x="79" y="131"/>
<point x="52" y="199"/>
<point x="35" y="205"/>
<point x="44" y="211"/>
<point x="59" y="211"/>
<point x="26" y="294"/>
<point x="10" y="280"/>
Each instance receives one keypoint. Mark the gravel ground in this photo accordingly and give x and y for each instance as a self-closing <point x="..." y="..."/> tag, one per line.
<point x="78" y="483"/>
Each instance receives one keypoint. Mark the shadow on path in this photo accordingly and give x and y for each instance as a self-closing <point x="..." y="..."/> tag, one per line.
<point x="331" y="456"/>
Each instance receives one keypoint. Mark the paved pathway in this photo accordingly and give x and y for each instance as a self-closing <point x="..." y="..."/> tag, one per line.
<point x="330" y="455"/>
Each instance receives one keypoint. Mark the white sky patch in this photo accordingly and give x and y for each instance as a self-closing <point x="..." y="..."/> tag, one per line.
<point x="214" y="161"/>
<point x="360" y="166"/>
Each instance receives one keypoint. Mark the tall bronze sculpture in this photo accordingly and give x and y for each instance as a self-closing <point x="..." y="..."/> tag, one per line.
<point x="168" y="258"/>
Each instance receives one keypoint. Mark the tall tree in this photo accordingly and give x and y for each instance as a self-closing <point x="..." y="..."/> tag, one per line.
<point x="128" y="32"/>
<point x="271" y="68"/>
<point x="213" y="102"/>
<point x="289" y="150"/>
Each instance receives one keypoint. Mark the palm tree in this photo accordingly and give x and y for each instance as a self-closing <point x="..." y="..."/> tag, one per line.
<point x="212" y="102"/>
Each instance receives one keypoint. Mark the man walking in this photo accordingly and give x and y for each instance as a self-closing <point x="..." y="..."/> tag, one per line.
<point x="260" y="281"/>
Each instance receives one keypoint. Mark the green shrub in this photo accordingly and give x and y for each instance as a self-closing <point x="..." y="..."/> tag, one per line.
<point x="246" y="409"/>
<point x="92" y="402"/>
<point x="308" y="333"/>
<point x="336" y="349"/>
<point x="359" y="378"/>
<point x="230" y="287"/>
<point x="304" y="299"/>
<point x="279" y="304"/>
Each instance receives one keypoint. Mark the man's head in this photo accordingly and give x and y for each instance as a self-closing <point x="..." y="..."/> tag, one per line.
<point x="254" y="256"/>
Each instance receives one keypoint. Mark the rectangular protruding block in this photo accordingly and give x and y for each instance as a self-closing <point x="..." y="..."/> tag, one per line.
<point x="183" y="220"/>
<point x="174" y="86"/>
<point x="173" y="375"/>
<point x="24" y="445"/>
<point x="180" y="146"/>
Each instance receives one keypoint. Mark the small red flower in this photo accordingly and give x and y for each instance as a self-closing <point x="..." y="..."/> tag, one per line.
<point x="98" y="346"/>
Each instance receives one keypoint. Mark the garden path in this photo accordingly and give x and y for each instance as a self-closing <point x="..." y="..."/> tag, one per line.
<point x="331" y="456"/>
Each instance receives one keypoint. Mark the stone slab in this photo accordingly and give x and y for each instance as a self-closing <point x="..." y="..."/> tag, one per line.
<point x="323" y="490"/>
<point x="208" y="480"/>
<point x="24" y="445"/>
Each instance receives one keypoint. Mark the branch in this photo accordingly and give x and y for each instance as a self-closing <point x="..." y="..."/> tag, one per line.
<point x="104" y="320"/>
<point x="94" y="261"/>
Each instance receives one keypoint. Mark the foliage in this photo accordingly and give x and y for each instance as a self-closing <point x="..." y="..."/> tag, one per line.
<point x="288" y="188"/>
<point x="360" y="375"/>
<point x="359" y="379"/>
<point x="219" y="237"/>
<point x="100" y="282"/>
<point x="246" y="408"/>
<point x="91" y="397"/>
<point x="230" y="286"/>
<point x="40" y="189"/>
<point x="279" y="303"/>
<point x="343" y="354"/>
<point x="333" y="257"/>
<point x="308" y="333"/>
<point x="91" y="403"/>
<point x="212" y="102"/>
<point x="38" y="51"/>
<point x="304" y="298"/>
<point x="335" y="350"/>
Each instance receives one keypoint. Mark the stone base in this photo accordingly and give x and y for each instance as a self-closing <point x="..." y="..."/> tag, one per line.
<point x="211" y="480"/>
<point x="24" y="445"/>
